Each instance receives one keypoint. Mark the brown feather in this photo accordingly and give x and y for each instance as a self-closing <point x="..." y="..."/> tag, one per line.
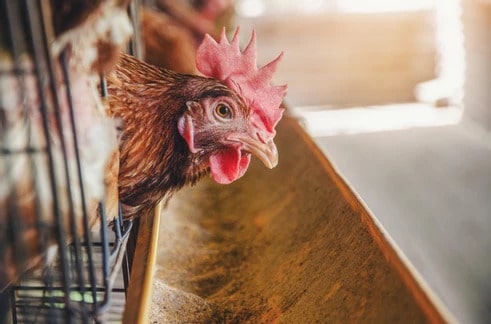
<point x="167" y="44"/>
<point x="154" y="158"/>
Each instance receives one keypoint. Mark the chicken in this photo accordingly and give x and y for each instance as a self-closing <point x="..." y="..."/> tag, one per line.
<point x="167" y="44"/>
<point x="176" y="128"/>
<point x="185" y="15"/>
<point x="40" y="187"/>
<point x="219" y="12"/>
<point x="172" y="34"/>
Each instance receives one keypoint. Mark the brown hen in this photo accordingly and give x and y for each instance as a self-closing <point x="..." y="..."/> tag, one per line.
<point x="176" y="128"/>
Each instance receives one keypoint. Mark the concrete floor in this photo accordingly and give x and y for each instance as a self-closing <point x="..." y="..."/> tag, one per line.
<point x="429" y="189"/>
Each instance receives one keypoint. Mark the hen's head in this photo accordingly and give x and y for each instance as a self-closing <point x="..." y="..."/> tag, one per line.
<point x="231" y="122"/>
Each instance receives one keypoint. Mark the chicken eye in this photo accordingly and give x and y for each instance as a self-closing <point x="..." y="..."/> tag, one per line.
<point x="223" y="111"/>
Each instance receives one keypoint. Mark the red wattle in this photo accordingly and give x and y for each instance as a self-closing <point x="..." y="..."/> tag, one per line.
<point x="229" y="165"/>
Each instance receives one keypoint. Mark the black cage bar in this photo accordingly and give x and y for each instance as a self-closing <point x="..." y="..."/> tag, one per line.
<point x="55" y="265"/>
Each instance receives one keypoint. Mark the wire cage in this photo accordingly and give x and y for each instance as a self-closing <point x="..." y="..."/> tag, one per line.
<point x="62" y="259"/>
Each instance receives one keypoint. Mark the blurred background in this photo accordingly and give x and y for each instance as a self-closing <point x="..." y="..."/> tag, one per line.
<point x="346" y="54"/>
<point x="396" y="94"/>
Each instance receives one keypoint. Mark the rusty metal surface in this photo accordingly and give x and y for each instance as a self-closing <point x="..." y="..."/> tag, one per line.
<point x="276" y="246"/>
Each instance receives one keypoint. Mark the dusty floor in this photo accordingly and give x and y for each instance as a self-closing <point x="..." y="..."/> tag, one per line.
<point x="277" y="246"/>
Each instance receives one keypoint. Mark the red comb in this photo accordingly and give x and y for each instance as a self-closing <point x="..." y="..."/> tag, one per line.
<point x="238" y="70"/>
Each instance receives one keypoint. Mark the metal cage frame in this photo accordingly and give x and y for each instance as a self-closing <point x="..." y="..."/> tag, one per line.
<point x="94" y="268"/>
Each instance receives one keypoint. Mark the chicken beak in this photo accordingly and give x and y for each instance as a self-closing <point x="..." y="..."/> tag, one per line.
<point x="264" y="150"/>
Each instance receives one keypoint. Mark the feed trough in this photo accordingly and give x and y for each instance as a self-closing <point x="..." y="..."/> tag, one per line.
<point x="291" y="245"/>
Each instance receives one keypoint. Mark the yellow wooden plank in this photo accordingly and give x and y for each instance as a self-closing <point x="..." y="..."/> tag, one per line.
<point x="139" y="295"/>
